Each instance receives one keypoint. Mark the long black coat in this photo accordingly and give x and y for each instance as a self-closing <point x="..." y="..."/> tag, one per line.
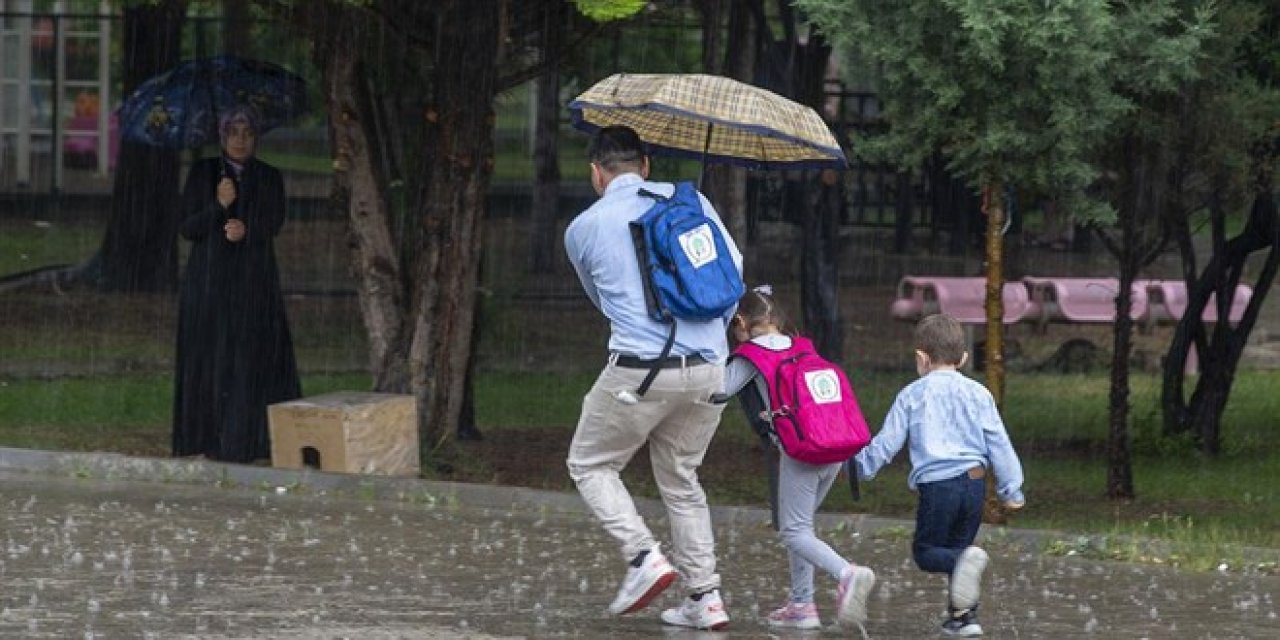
<point x="234" y="352"/>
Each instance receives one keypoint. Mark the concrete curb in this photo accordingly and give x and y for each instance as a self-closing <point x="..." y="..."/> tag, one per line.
<point x="114" y="466"/>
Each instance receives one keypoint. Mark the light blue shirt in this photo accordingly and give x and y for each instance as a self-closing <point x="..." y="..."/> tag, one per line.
<point x="952" y="425"/>
<point x="599" y="245"/>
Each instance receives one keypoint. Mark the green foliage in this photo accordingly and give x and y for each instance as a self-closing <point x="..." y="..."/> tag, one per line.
<point x="1011" y="92"/>
<point x="1186" y="499"/>
<point x="28" y="244"/>
<point x="609" y="10"/>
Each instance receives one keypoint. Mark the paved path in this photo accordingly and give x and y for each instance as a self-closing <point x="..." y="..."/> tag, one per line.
<point x="90" y="550"/>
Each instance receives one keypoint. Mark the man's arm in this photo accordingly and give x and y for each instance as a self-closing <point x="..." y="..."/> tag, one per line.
<point x="573" y="247"/>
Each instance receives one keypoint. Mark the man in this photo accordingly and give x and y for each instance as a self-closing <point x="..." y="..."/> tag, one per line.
<point x="675" y="417"/>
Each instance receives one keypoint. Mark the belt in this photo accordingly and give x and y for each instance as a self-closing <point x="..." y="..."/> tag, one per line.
<point x="674" y="362"/>
<point x="977" y="473"/>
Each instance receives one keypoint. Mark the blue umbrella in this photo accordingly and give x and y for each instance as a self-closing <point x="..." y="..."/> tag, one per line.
<point x="179" y="108"/>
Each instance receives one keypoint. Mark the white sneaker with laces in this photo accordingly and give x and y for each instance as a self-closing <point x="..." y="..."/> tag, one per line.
<point x="966" y="578"/>
<point x="643" y="583"/>
<point x="706" y="612"/>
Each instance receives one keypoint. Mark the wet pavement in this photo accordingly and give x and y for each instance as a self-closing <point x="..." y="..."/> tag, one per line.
<point x="91" y="550"/>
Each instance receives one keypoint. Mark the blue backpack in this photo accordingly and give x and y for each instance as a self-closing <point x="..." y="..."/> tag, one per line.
<point x="685" y="263"/>
<point x="684" y="259"/>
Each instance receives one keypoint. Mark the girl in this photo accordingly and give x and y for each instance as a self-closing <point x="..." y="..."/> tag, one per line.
<point x="801" y="487"/>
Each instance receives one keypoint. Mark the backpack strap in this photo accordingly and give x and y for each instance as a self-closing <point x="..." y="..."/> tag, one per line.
<point x="650" y="295"/>
<point x="777" y="380"/>
<point x="646" y="277"/>
<point x="640" y="242"/>
<point x="657" y="364"/>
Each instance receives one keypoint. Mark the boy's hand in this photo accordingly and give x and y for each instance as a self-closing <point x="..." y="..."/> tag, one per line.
<point x="1013" y="505"/>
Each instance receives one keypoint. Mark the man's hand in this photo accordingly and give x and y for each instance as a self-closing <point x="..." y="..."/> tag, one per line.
<point x="226" y="192"/>
<point x="1013" y="505"/>
<point x="234" y="229"/>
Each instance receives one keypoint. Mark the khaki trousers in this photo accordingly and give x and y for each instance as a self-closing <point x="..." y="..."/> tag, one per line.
<point x="677" y="422"/>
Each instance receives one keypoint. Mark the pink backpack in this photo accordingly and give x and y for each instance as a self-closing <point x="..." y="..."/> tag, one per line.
<point x="814" y="411"/>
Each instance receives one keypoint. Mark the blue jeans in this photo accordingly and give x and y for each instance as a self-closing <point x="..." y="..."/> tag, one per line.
<point x="947" y="521"/>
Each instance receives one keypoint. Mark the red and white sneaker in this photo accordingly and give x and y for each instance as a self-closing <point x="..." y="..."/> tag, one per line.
<point x="643" y="583"/>
<point x="706" y="612"/>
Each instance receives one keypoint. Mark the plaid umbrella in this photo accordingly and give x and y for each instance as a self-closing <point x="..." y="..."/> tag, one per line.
<point x="710" y="118"/>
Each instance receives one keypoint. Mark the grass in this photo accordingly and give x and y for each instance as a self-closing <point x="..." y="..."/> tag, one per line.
<point x="1202" y="510"/>
<point x="119" y="413"/>
<point x="320" y="164"/>
<point x="28" y="244"/>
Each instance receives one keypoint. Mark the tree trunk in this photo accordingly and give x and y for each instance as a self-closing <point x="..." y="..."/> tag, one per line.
<point x="819" y="291"/>
<point x="1141" y="198"/>
<point x="993" y="354"/>
<point x="236" y="24"/>
<point x="543" y="234"/>
<point x="1119" y="457"/>
<point x="1220" y="355"/>
<point x="1189" y="334"/>
<point x="139" y="249"/>
<point x="357" y="189"/>
<point x="993" y="349"/>
<point x="819" y="268"/>
<point x="457" y="171"/>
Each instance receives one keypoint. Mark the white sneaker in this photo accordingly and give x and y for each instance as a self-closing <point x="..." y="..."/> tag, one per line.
<point x="643" y="583"/>
<point x="705" y="613"/>
<point x="851" y="596"/>
<point x="966" y="578"/>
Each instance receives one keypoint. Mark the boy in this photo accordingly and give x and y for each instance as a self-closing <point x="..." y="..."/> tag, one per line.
<point x="955" y="434"/>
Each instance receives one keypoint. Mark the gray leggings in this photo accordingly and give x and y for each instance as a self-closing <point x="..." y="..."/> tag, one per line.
<point x="801" y="489"/>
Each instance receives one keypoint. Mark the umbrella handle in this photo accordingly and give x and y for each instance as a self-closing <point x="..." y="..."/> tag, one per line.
<point x="706" y="145"/>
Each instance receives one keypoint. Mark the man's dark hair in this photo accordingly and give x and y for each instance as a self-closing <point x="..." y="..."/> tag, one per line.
<point x="617" y="149"/>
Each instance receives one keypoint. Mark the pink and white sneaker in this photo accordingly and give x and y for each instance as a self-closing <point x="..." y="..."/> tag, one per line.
<point x="851" y="596"/>
<point x="796" y="615"/>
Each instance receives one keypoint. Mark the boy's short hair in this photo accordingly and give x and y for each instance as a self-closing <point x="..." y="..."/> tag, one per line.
<point x="941" y="338"/>
<point x="616" y="149"/>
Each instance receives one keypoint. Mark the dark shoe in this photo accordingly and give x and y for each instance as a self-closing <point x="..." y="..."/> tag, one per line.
<point x="962" y="624"/>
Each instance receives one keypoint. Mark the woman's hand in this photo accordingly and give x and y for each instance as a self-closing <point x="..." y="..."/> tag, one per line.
<point x="234" y="229"/>
<point x="226" y="192"/>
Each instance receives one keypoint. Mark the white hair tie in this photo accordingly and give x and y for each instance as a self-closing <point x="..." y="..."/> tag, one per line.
<point x="763" y="289"/>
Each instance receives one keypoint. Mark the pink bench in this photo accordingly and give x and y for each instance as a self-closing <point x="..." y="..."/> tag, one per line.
<point x="1169" y="302"/>
<point x="962" y="298"/>
<point x="1080" y="300"/>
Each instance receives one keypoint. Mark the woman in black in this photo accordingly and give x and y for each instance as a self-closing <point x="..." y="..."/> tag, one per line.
<point x="234" y="352"/>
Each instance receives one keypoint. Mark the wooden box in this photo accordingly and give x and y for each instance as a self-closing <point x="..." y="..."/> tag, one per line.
<point x="347" y="432"/>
